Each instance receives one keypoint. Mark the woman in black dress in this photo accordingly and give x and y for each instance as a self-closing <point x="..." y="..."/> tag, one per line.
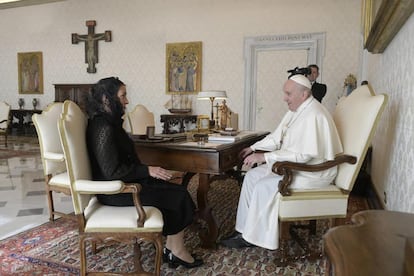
<point x="113" y="156"/>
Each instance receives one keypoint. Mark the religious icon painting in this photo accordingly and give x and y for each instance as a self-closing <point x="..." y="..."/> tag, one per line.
<point x="183" y="67"/>
<point x="30" y="72"/>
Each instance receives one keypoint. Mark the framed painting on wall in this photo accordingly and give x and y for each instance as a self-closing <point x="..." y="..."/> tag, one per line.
<point x="183" y="67"/>
<point x="382" y="20"/>
<point x="30" y="72"/>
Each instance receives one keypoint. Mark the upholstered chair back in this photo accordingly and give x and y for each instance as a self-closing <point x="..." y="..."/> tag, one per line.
<point x="49" y="141"/>
<point x="4" y="115"/>
<point x="356" y="117"/>
<point x="72" y="128"/>
<point x="139" y="119"/>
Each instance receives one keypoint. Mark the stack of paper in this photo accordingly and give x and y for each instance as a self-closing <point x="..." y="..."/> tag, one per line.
<point x="216" y="137"/>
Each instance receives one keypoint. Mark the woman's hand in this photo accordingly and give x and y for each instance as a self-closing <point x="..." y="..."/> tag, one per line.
<point x="159" y="173"/>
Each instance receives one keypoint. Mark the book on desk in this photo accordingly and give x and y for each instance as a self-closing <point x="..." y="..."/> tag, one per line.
<point x="221" y="137"/>
<point x="159" y="138"/>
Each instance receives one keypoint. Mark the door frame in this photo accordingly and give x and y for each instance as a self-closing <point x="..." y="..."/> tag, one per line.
<point x="313" y="43"/>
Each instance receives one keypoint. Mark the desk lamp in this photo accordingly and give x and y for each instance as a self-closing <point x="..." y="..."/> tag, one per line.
<point x="212" y="95"/>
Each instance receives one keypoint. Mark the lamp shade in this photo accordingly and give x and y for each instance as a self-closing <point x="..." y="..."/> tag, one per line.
<point x="213" y="94"/>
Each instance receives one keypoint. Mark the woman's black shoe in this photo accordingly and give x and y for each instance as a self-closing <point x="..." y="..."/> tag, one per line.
<point x="165" y="252"/>
<point x="174" y="261"/>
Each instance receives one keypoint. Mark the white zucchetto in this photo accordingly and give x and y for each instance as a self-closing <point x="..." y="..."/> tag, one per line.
<point x="302" y="80"/>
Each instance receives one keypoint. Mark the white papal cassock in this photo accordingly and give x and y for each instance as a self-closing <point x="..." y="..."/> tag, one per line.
<point x="307" y="135"/>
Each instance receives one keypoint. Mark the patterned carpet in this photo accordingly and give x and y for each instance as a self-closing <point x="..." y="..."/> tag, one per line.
<point x="52" y="248"/>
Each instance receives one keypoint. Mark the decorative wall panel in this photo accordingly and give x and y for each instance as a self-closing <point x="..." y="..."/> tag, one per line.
<point x="393" y="146"/>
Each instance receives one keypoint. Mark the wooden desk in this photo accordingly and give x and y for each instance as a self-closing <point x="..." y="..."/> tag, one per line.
<point x="377" y="244"/>
<point x="206" y="161"/>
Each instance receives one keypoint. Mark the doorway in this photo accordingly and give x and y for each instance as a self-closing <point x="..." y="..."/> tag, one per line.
<point x="267" y="59"/>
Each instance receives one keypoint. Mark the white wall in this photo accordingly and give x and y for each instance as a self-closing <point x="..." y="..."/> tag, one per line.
<point x="141" y="28"/>
<point x="393" y="148"/>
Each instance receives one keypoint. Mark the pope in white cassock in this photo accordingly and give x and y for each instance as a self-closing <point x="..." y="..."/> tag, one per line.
<point x="306" y="134"/>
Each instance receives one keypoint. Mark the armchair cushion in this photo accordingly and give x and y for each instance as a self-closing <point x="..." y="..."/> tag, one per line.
<point x="329" y="201"/>
<point x="103" y="218"/>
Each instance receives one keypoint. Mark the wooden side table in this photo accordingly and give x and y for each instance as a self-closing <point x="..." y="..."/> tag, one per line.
<point x="378" y="243"/>
<point x="21" y="126"/>
<point x="76" y="92"/>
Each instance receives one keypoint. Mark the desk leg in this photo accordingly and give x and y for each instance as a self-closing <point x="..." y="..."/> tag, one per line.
<point x="204" y="212"/>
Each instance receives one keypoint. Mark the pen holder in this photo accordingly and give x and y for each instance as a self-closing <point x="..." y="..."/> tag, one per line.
<point x="150" y="131"/>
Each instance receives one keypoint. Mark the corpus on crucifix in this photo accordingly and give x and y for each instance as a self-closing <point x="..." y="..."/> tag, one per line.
<point x="91" y="44"/>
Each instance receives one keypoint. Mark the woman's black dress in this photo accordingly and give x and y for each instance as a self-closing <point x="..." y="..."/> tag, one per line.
<point x="113" y="157"/>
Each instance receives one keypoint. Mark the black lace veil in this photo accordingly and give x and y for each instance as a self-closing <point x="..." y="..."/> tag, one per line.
<point x="103" y="98"/>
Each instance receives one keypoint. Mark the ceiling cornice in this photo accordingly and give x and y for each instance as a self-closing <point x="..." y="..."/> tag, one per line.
<point x="4" y="4"/>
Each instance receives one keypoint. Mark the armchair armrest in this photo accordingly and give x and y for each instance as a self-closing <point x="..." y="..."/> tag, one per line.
<point x="99" y="187"/>
<point x="54" y="156"/>
<point x="285" y="168"/>
<point x="135" y="188"/>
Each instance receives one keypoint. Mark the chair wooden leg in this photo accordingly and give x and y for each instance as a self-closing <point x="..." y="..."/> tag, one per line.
<point x="82" y="249"/>
<point x="282" y="252"/>
<point x="158" y="254"/>
<point x="336" y="222"/>
<point x="49" y="199"/>
<point x="94" y="248"/>
<point x="312" y="227"/>
<point x="137" y="258"/>
<point x="288" y="232"/>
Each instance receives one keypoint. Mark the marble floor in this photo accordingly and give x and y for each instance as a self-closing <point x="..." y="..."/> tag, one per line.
<point x="23" y="202"/>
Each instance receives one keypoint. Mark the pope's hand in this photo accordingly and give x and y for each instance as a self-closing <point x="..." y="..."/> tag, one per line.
<point x="255" y="158"/>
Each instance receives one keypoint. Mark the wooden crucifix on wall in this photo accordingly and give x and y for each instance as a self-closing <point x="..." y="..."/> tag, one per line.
<point x="91" y="44"/>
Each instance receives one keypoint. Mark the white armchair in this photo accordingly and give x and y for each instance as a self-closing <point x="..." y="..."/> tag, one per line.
<point x="97" y="222"/>
<point x="356" y="118"/>
<point x="139" y="119"/>
<point x="4" y="120"/>
<point x="51" y="152"/>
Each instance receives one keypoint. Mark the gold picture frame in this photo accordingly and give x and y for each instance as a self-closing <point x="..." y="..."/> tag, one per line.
<point x="30" y="72"/>
<point x="382" y="20"/>
<point x="203" y="122"/>
<point x="183" y="67"/>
